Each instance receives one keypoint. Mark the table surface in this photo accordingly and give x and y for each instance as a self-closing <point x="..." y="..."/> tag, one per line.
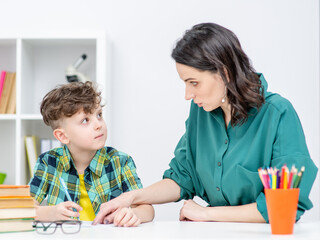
<point x="178" y="230"/>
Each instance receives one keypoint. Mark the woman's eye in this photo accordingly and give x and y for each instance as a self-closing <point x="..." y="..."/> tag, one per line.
<point x="194" y="83"/>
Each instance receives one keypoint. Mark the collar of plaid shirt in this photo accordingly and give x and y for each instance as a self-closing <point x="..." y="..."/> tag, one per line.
<point x="96" y="165"/>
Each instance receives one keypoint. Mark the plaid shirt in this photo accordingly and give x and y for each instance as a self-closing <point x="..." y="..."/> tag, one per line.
<point x="109" y="174"/>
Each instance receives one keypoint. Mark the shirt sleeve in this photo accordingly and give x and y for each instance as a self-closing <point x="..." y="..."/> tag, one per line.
<point x="290" y="148"/>
<point x="182" y="171"/>
<point x="39" y="181"/>
<point x="130" y="179"/>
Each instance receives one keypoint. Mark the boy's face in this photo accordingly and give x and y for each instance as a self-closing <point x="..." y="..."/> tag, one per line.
<point x="85" y="132"/>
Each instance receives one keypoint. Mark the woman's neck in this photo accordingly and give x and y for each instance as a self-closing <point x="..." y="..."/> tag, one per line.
<point x="226" y="108"/>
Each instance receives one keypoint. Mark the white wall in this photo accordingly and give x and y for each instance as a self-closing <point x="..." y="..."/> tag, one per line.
<point x="280" y="37"/>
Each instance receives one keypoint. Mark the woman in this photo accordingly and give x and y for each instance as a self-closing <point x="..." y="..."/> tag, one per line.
<point x="235" y="127"/>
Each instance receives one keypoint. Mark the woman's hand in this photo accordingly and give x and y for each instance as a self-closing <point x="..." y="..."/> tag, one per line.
<point x="108" y="210"/>
<point x="126" y="217"/>
<point x="191" y="211"/>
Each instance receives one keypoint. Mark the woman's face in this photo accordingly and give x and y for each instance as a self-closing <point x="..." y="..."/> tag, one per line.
<point x="207" y="89"/>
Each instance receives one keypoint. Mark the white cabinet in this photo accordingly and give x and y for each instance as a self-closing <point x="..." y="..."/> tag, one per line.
<point x="40" y="60"/>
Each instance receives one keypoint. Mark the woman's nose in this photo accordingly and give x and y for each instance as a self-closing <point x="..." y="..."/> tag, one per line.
<point x="189" y="94"/>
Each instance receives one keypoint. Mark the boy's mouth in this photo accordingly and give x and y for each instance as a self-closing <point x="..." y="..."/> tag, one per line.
<point x="99" y="136"/>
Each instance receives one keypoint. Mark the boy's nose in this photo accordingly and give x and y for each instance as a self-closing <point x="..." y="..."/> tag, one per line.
<point x="97" y="124"/>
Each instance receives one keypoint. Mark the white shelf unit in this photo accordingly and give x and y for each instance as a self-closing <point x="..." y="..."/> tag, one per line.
<point x="40" y="60"/>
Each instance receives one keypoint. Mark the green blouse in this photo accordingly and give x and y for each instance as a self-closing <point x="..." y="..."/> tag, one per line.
<point x="221" y="165"/>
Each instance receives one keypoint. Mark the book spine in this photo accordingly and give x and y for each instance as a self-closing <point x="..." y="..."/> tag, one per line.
<point x="2" y="77"/>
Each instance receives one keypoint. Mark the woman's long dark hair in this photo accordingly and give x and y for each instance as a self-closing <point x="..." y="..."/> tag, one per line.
<point x="211" y="47"/>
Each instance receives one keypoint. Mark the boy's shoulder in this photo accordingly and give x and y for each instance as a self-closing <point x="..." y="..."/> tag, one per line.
<point x="51" y="155"/>
<point x="112" y="160"/>
<point x="104" y="156"/>
<point x="113" y="154"/>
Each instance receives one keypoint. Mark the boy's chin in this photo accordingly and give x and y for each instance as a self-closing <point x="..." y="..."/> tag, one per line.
<point x="101" y="146"/>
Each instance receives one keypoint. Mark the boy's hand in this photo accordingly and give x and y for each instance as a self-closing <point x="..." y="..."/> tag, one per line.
<point x="64" y="211"/>
<point x="125" y="217"/>
<point x="109" y="209"/>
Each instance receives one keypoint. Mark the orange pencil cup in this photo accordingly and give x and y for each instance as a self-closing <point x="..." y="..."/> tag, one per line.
<point x="282" y="207"/>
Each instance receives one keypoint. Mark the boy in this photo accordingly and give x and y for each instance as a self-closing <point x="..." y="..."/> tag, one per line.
<point x="93" y="173"/>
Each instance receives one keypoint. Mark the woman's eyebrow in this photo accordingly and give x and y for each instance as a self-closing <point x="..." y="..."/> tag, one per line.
<point x="188" y="79"/>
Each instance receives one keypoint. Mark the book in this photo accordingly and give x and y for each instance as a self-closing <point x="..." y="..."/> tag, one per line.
<point x="17" y="202"/>
<point x="14" y="190"/>
<point x="17" y="208"/>
<point x="55" y="143"/>
<point x="6" y="213"/>
<point x="31" y="150"/>
<point x="2" y="78"/>
<point x="6" y="90"/>
<point x="11" y="106"/>
<point x="16" y="225"/>
<point x="47" y="144"/>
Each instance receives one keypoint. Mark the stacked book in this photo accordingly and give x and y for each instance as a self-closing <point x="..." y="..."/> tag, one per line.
<point x="17" y="209"/>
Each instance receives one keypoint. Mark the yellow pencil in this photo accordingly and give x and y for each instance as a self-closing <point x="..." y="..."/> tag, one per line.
<point x="285" y="178"/>
<point x="274" y="181"/>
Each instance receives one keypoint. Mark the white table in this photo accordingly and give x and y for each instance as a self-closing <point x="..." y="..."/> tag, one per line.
<point x="179" y="230"/>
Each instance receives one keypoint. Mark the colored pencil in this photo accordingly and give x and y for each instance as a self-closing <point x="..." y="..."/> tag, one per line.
<point x="285" y="178"/>
<point x="282" y="176"/>
<point x="272" y="178"/>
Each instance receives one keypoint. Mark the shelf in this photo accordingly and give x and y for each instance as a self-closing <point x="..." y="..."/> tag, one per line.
<point x="8" y="116"/>
<point x="40" y="60"/>
<point x="31" y="117"/>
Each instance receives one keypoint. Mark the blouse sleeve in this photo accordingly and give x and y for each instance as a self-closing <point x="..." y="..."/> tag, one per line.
<point x="182" y="170"/>
<point x="290" y="148"/>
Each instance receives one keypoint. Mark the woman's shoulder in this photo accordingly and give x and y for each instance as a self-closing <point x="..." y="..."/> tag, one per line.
<point x="278" y="103"/>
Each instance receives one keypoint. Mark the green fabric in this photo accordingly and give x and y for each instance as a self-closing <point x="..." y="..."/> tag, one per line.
<point x="221" y="166"/>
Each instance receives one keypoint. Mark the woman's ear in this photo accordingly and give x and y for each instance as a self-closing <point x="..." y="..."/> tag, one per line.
<point x="60" y="135"/>
<point x="226" y="74"/>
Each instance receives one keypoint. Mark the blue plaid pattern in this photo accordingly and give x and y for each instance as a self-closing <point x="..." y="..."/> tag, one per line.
<point x="109" y="174"/>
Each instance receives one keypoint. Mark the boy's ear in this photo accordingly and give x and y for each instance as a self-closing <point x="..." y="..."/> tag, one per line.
<point x="60" y="135"/>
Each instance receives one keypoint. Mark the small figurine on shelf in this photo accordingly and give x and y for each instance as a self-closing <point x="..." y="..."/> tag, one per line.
<point x="73" y="75"/>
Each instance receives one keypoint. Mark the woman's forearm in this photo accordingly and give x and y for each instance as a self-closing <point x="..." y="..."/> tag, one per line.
<point x="242" y="213"/>
<point x="163" y="191"/>
<point x="144" y="212"/>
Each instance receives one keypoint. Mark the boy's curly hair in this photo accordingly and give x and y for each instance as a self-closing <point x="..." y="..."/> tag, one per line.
<point x="67" y="99"/>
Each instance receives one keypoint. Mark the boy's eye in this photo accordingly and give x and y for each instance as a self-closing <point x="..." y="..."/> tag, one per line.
<point x="100" y="115"/>
<point x="85" y="120"/>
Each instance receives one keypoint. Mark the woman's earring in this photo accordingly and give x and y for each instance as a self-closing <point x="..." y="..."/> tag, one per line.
<point x="225" y="95"/>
